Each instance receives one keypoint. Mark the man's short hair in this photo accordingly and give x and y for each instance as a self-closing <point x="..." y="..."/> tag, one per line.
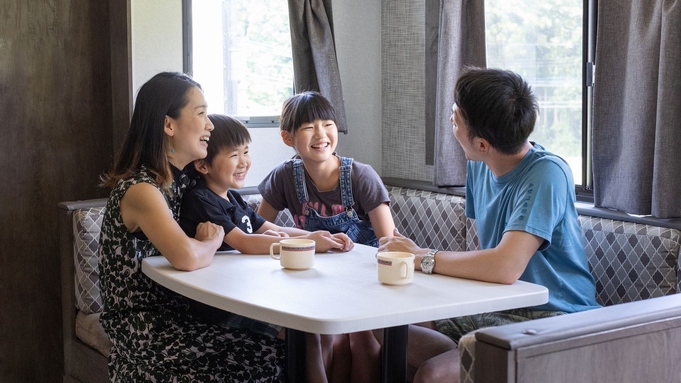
<point x="497" y="105"/>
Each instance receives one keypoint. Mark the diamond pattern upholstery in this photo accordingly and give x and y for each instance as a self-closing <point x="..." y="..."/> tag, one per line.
<point x="433" y="220"/>
<point x="86" y="229"/>
<point x="631" y="261"/>
<point x="284" y="218"/>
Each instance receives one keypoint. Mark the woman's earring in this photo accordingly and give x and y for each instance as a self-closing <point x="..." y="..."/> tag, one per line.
<point x="172" y="150"/>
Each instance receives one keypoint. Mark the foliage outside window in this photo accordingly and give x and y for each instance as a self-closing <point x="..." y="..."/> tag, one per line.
<point x="542" y="41"/>
<point x="241" y="55"/>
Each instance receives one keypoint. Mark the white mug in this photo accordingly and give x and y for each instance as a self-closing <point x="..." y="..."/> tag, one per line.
<point x="294" y="253"/>
<point x="395" y="267"/>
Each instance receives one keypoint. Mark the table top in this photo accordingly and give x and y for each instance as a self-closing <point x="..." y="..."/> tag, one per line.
<point x="340" y="294"/>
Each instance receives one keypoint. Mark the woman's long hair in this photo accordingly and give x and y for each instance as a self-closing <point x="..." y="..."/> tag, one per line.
<point x="146" y="143"/>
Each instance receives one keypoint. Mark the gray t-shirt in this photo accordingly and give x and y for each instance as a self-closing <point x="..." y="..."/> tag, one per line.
<point x="368" y="191"/>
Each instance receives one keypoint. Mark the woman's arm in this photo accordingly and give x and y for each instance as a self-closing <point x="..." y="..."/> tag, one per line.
<point x="382" y="221"/>
<point x="143" y="207"/>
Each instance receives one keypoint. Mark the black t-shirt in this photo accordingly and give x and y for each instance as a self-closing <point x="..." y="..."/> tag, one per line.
<point x="200" y="204"/>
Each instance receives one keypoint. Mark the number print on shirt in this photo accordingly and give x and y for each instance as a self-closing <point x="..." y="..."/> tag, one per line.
<point x="247" y="221"/>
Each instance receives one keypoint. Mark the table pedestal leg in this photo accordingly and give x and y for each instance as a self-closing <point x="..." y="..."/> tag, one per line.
<point x="394" y="354"/>
<point x="295" y="356"/>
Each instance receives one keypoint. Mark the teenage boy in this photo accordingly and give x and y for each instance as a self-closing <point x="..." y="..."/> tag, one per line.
<point x="523" y="201"/>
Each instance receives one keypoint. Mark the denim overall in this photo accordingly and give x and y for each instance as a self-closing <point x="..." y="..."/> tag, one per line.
<point x="346" y="222"/>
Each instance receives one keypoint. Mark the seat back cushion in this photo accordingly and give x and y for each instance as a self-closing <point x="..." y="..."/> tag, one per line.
<point x="86" y="228"/>
<point x="433" y="220"/>
<point x="630" y="261"/>
<point x="284" y="218"/>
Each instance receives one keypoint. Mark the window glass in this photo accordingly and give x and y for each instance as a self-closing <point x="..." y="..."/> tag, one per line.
<point x="542" y="41"/>
<point x="241" y="55"/>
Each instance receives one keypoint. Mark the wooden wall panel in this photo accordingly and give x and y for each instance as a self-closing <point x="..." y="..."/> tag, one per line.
<point x="55" y="139"/>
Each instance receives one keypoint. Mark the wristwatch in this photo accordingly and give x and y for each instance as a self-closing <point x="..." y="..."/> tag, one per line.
<point x="428" y="262"/>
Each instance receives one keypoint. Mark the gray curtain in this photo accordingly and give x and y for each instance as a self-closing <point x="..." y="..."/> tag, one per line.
<point x="637" y="107"/>
<point x="315" y="66"/>
<point x="461" y="43"/>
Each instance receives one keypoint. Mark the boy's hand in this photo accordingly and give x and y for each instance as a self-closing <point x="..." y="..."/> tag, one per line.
<point x="275" y="233"/>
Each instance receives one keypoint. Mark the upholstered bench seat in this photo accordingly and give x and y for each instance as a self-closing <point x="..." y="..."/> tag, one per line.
<point x="629" y="261"/>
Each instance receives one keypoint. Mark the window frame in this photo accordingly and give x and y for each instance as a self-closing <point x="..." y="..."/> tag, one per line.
<point x="585" y="190"/>
<point x="260" y="121"/>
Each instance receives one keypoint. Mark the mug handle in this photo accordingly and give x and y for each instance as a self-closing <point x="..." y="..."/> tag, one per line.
<point x="275" y="256"/>
<point x="406" y="269"/>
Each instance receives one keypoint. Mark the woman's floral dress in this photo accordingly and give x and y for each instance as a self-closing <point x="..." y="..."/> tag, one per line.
<point x="155" y="334"/>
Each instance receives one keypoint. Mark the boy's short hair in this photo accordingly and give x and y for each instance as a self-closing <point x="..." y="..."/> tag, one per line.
<point x="228" y="133"/>
<point x="497" y="105"/>
<point x="305" y="107"/>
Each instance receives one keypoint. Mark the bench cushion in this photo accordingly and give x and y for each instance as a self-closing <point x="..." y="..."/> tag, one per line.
<point x="433" y="220"/>
<point x="86" y="228"/>
<point x="630" y="261"/>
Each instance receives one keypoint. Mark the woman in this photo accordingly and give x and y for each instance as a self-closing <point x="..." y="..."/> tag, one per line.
<point x="158" y="335"/>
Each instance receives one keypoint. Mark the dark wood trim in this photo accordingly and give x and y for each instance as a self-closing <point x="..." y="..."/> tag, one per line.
<point x="121" y="69"/>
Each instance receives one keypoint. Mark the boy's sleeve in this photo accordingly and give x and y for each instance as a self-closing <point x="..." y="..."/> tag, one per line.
<point x="256" y="220"/>
<point x="197" y="208"/>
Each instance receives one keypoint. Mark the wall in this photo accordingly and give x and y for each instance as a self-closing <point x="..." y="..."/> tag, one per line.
<point x="55" y="108"/>
<point x="156" y="28"/>
<point x="357" y="25"/>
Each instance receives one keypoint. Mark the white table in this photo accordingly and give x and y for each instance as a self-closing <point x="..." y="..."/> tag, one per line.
<point x="340" y="294"/>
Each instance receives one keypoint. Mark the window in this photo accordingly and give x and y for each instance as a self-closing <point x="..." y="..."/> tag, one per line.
<point x="543" y="42"/>
<point x="240" y="52"/>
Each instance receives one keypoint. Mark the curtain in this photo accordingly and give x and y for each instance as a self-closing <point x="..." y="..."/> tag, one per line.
<point x="637" y="107"/>
<point x="315" y="66"/>
<point x="461" y="43"/>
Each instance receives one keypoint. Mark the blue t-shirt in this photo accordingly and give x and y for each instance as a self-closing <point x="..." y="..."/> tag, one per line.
<point x="536" y="197"/>
<point x="200" y="204"/>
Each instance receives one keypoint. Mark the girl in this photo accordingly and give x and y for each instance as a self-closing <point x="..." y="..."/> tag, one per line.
<point x="157" y="335"/>
<point x="323" y="192"/>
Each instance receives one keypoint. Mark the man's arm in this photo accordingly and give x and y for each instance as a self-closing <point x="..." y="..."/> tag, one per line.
<point x="502" y="264"/>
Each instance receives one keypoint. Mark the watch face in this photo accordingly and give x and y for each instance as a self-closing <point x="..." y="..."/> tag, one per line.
<point x="427" y="264"/>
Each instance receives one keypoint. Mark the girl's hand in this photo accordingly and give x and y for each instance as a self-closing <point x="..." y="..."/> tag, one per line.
<point x="325" y="241"/>
<point x="347" y="242"/>
<point x="397" y="242"/>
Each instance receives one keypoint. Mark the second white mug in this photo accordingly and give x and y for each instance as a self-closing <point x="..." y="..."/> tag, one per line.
<point x="395" y="267"/>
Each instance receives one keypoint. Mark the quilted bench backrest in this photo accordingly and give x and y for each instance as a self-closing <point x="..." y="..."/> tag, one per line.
<point x="433" y="220"/>
<point x="631" y="261"/>
<point x="86" y="228"/>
